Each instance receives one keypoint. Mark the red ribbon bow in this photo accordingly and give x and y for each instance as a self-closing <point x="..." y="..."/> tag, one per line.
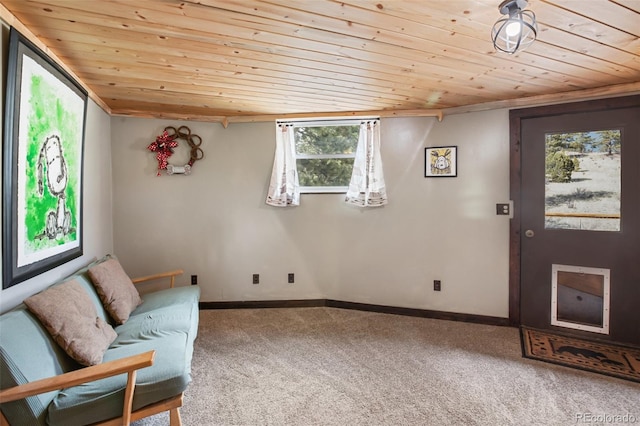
<point x="163" y="147"/>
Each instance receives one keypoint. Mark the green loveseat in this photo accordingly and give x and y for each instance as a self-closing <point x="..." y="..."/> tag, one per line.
<point x="144" y="371"/>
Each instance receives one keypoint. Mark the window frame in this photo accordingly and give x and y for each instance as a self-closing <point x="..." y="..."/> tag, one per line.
<point x="324" y="122"/>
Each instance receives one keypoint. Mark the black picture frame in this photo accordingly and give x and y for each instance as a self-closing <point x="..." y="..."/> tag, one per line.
<point x="441" y="161"/>
<point x="43" y="163"/>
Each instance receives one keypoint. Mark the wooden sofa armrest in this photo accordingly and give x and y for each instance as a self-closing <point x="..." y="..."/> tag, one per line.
<point x="168" y="274"/>
<point x="128" y="365"/>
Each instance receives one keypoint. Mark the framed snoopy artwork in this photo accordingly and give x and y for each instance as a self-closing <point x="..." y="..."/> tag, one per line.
<point x="441" y="161"/>
<point x="45" y="113"/>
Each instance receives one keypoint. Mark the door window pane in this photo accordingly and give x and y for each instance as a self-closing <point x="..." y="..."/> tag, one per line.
<point x="582" y="180"/>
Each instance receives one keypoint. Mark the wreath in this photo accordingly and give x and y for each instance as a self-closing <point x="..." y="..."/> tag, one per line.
<point x="167" y="141"/>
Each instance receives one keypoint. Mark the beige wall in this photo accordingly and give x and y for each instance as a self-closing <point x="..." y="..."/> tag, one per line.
<point x="215" y="223"/>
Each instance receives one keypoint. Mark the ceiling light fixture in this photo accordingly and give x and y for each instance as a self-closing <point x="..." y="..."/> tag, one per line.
<point x="517" y="31"/>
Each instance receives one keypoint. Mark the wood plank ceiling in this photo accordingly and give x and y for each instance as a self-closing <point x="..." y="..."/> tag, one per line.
<point x="213" y="59"/>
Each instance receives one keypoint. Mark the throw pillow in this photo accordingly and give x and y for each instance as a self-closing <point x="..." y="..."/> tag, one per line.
<point x="70" y="317"/>
<point x="118" y="294"/>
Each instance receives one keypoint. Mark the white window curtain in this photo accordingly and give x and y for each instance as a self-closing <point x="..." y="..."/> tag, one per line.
<point x="367" y="187"/>
<point x="284" y="189"/>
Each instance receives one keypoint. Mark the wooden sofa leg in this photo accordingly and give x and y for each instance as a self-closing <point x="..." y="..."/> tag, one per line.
<point x="174" y="417"/>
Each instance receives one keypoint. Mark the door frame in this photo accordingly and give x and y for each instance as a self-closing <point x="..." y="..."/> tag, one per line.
<point x="515" y="189"/>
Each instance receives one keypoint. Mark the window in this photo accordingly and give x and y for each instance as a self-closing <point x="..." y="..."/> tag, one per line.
<point x="583" y="180"/>
<point x="325" y="152"/>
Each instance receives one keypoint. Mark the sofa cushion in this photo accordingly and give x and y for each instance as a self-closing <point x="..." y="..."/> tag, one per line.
<point x="118" y="294"/>
<point x="168" y="297"/>
<point x="69" y="316"/>
<point x="82" y="276"/>
<point x="179" y="318"/>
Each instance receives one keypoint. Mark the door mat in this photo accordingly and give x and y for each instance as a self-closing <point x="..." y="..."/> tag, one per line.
<point x="598" y="357"/>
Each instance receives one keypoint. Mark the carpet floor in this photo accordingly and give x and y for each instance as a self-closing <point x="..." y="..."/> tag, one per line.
<point x="329" y="366"/>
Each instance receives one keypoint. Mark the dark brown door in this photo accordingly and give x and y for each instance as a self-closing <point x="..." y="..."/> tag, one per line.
<point x="580" y="221"/>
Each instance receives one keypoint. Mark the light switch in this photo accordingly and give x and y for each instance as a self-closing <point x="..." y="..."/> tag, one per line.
<point x="502" y="209"/>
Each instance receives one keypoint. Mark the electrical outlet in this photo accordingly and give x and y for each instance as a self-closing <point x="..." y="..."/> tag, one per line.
<point x="194" y="280"/>
<point x="437" y="285"/>
<point x="256" y="278"/>
<point x="291" y="278"/>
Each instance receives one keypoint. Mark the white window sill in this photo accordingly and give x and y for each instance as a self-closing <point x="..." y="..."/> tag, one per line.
<point x="323" y="189"/>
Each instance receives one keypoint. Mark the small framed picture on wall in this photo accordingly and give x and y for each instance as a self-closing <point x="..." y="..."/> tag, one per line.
<point x="441" y="161"/>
